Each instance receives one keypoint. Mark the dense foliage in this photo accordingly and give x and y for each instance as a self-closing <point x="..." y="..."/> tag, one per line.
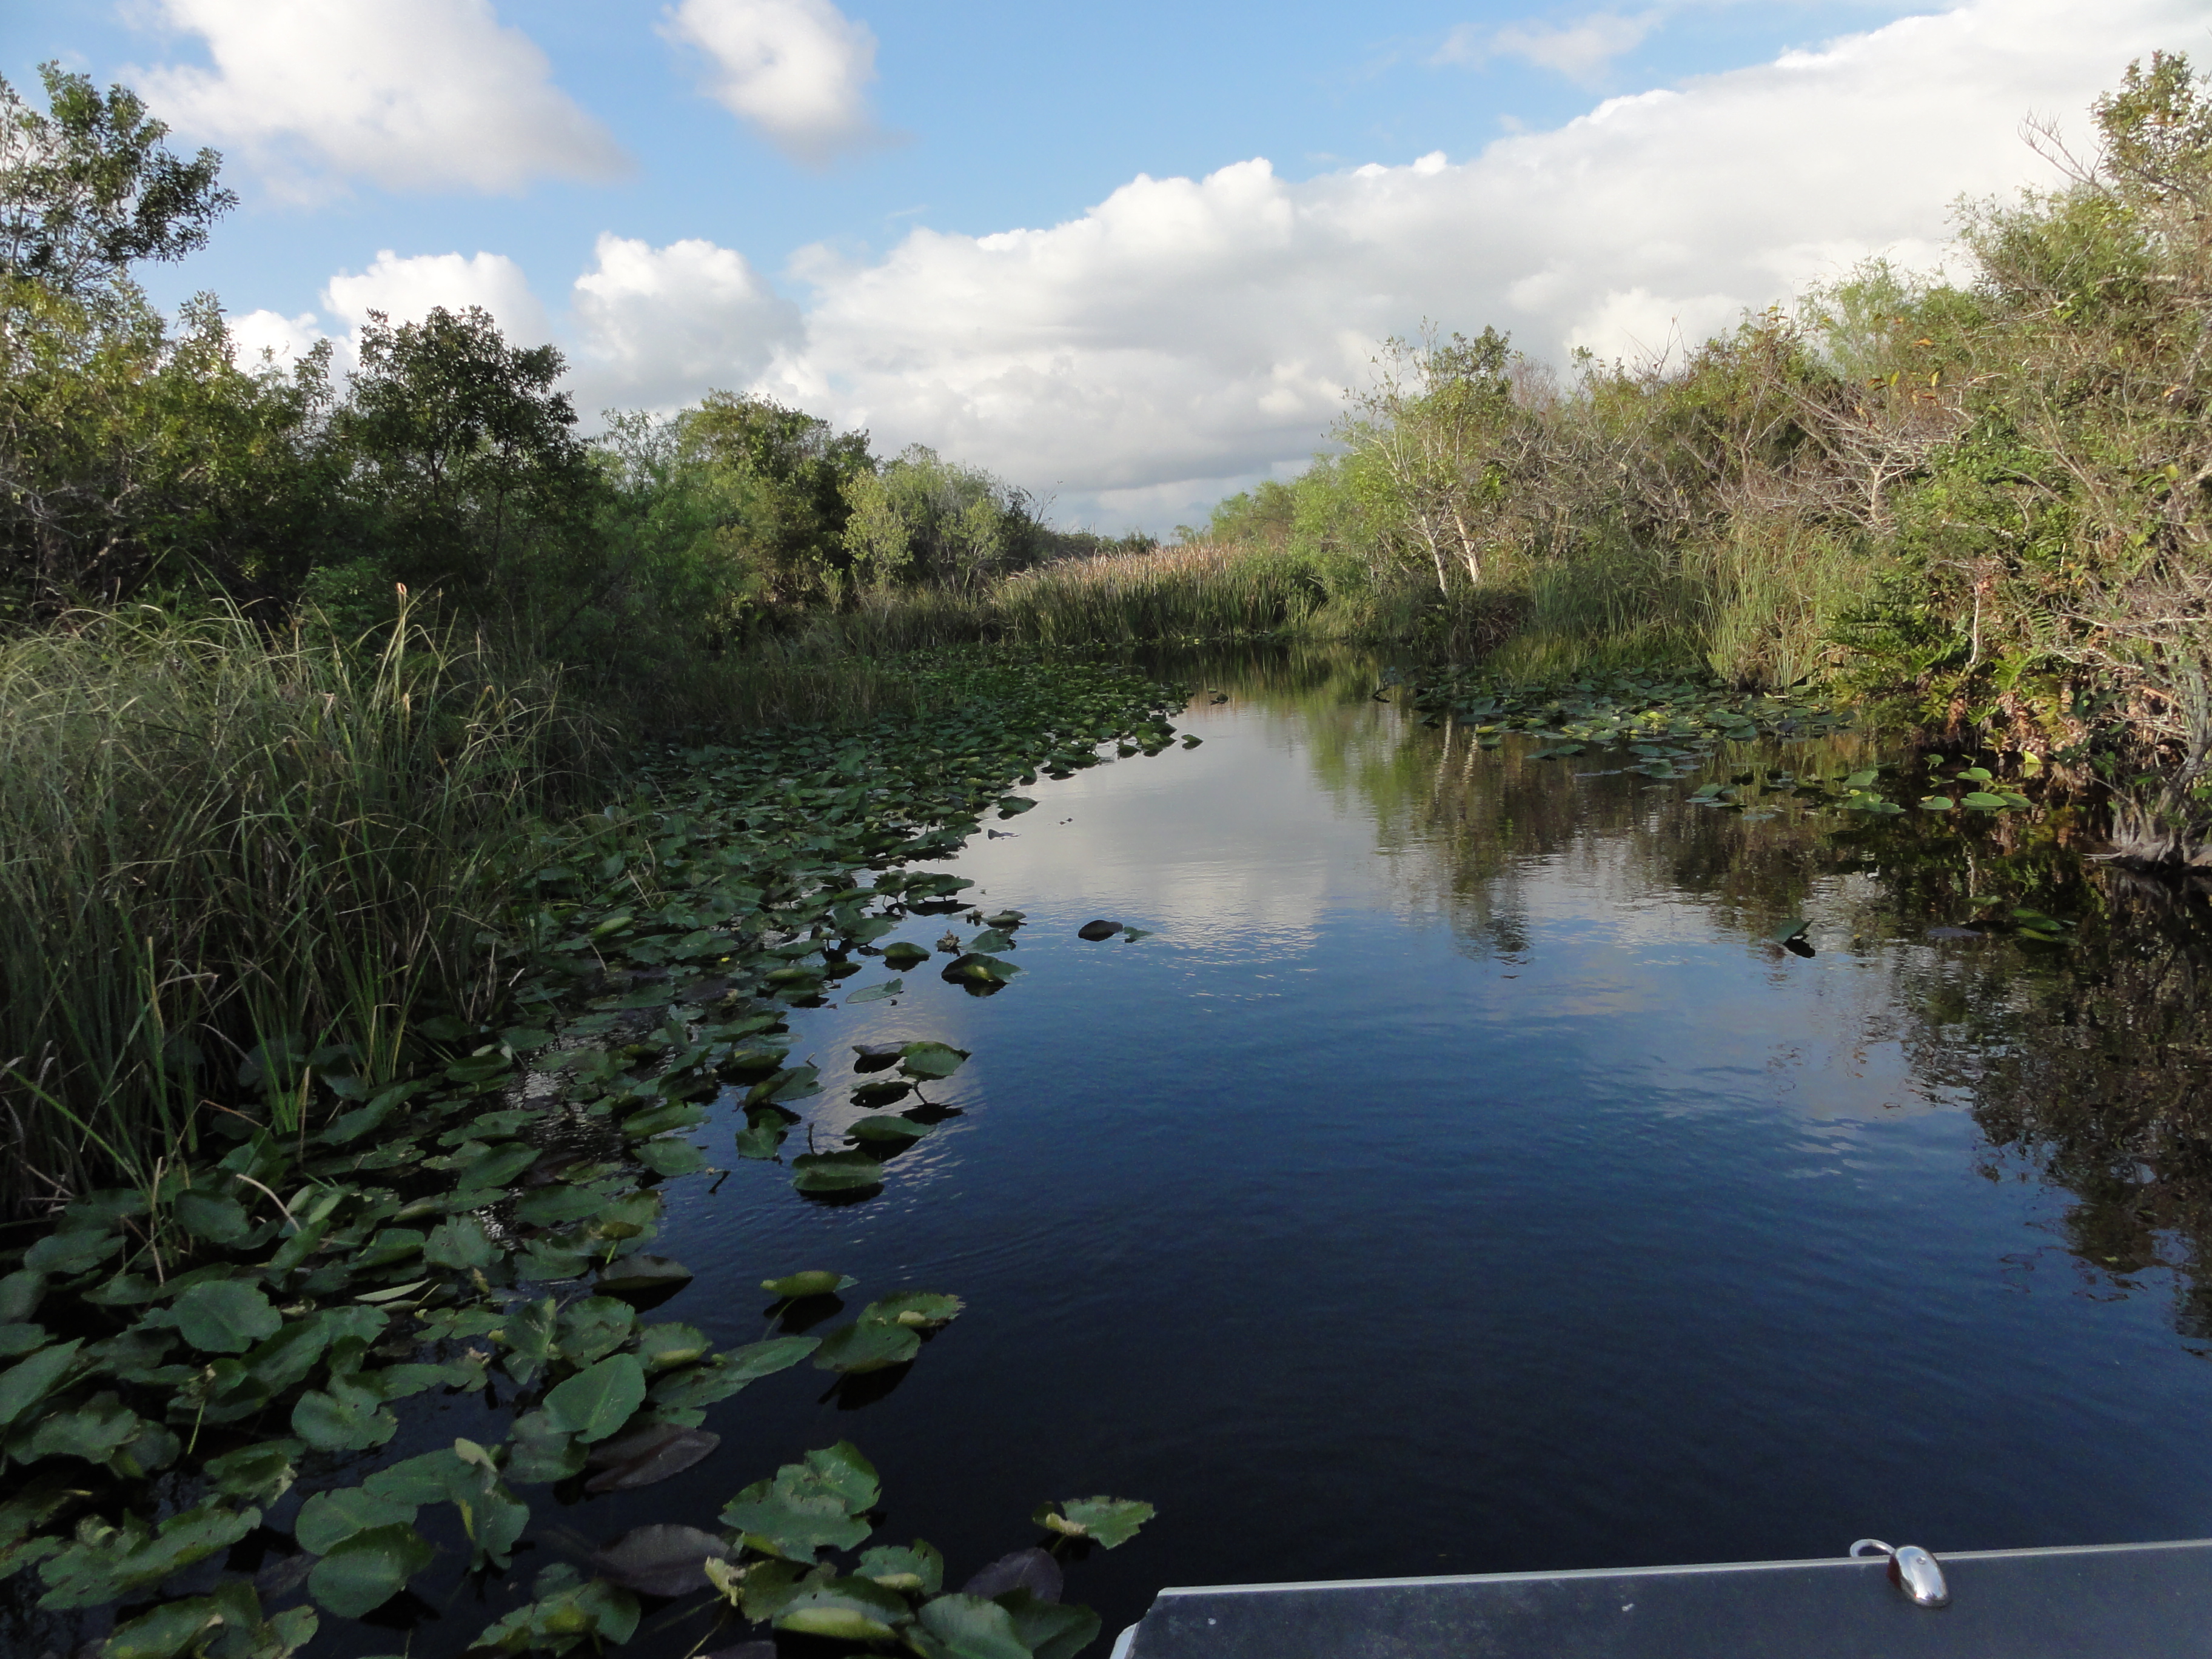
<point x="1982" y="504"/>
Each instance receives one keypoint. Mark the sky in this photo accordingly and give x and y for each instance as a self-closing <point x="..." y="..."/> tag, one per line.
<point x="1129" y="257"/>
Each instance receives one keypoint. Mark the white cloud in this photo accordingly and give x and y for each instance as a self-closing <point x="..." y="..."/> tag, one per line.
<point x="797" y="69"/>
<point x="656" y="326"/>
<point x="1193" y="330"/>
<point x="284" y="339"/>
<point x="406" y="290"/>
<point x="411" y="95"/>
<point x="1582" y="51"/>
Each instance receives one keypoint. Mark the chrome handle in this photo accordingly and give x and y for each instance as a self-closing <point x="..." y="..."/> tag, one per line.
<point x="1913" y="1570"/>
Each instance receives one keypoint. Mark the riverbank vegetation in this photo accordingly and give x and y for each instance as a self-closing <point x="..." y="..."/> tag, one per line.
<point x="410" y="809"/>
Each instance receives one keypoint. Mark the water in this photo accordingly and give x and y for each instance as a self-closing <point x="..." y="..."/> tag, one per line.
<point x="1458" y="1180"/>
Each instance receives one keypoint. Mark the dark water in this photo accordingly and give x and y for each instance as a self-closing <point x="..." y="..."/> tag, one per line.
<point x="1457" y="1180"/>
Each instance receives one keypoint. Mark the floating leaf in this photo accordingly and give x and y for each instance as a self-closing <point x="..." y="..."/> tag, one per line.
<point x="596" y="1401"/>
<point x="889" y="1132"/>
<point x="1012" y="805"/>
<point x="917" y="1310"/>
<point x="966" y="1627"/>
<point x="916" y="1569"/>
<point x="22" y="1386"/>
<point x="461" y="1242"/>
<point x="226" y="1315"/>
<point x="1032" y="1570"/>
<point x="650" y="1456"/>
<point x="367" y="1570"/>
<point x="729" y="1371"/>
<point x="1794" y="928"/>
<point x="867" y="1344"/>
<point x="1098" y="930"/>
<point x="836" y="1172"/>
<point x="808" y="1506"/>
<point x="1982" y="801"/>
<point x="1109" y="1523"/>
<point x="344" y="1417"/>
<point x="672" y="1158"/>
<point x="1047" y="1629"/>
<point x="594" y="1327"/>
<point x="327" y="1519"/>
<point x="762" y="1137"/>
<point x="661" y="1559"/>
<point x="816" y="1281"/>
<point x="877" y="993"/>
<point x="901" y="957"/>
<point x="640" y="1275"/>
<point x="927" y="1062"/>
<point x="870" y="1096"/>
<point x="850" y="1609"/>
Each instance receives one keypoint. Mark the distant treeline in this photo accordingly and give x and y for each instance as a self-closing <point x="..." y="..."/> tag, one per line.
<point x="138" y="458"/>
<point x="1986" y="503"/>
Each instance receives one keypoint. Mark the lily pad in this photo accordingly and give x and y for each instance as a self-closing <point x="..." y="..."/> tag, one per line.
<point x="849" y="1609"/>
<point x="650" y="1456"/>
<point x="1794" y="928"/>
<point x="902" y="956"/>
<point x="966" y="1627"/>
<point x="596" y="1401"/>
<point x="836" y="1172"/>
<point x="874" y="1095"/>
<point x="661" y="1559"/>
<point x="877" y="993"/>
<point x="808" y="1506"/>
<point x="916" y="1569"/>
<point x="642" y="1275"/>
<point x="814" y="1281"/>
<point x="1109" y="1523"/>
<point x="225" y="1316"/>
<point x="1032" y="1570"/>
<point x="367" y="1570"/>
<point x="867" y="1344"/>
<point x="1098" y="930"/>
<point x="928" y="1062"/>
<point x="890" y="1132"/>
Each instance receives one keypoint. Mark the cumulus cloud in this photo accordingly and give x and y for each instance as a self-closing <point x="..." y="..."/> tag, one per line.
<point x="1582" y="51"/>
<point x="411" y="95"/>
<point x="796" y="69"/>
<point x="407" y="290"/>
<point x="1197" y="330"/>
<point x="656" y="326"/>
<point x="267" y="336"/>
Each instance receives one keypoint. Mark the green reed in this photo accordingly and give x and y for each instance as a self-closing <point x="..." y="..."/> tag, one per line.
<point x="228" y="860"/>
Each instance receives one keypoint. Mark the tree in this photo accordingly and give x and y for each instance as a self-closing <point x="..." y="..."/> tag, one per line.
<point x="460" y="447"/>
<point x="88" y="189"/>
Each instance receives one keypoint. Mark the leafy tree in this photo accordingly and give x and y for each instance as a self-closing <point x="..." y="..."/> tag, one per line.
<point x="779" y="478"/>
<point x="922" y="519"/>
<point x="88" y="189"/>
<point x="460" y="451"/>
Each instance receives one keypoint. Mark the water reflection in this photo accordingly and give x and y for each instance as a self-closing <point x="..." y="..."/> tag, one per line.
<point x="1462" y="1176"/>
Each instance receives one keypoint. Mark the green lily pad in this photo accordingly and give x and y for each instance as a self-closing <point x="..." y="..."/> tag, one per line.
<point x="809" y="1506"/>
<point x="593" y="1327"/>
<point x="596" y="1401"/>
<point x="901" y="957"/>
<point x="1048" y="1629"/>
<point x="916" y="1569"/>
<point x="877" y="993"/>
<point x="1936" y="804"/>
<point x="867" y="1344"/>
<point x="364" y="1571"/>
<point x="23" y="1385"/>
<point x="1982" y="801"/>
<point x="1109" y="1523"/>
<point x="225" y="1316"/>
<point x="849" y="1609"/>
<point x="345" y="1416"/>
<point x="1794" y="928"/>
<point x="927" y="1062"/>
<point x="836" y="1172"/>
<point x="890" y="1134"/>
<point x="916" y="1310"/>
<point x="640" y="1275"/>
<point x="816" y="1281"/>
<point x="327" y="1519"/>
<point x="966" y="1627"/>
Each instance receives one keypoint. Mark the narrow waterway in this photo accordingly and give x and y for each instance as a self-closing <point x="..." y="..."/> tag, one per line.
<point x="1456" y="1176"/>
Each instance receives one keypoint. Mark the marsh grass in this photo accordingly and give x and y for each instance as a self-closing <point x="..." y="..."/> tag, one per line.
<point x="229" y="861"/>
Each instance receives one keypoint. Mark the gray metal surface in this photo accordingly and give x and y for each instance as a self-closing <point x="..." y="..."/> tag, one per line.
<point x="2118" y="1601"/>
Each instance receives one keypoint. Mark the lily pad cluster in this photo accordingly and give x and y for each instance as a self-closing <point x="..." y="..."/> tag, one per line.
<point x="1670" y="721"/>
<point x="181" y="1363"/>
<point x="775" y="1564"/>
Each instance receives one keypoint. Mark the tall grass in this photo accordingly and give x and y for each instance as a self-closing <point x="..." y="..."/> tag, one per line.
<point x="225" y="859"/>
<point x="1201" y="591"/>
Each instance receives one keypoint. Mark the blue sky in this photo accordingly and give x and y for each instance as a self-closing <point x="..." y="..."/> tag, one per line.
<point x="928" y="218"/>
